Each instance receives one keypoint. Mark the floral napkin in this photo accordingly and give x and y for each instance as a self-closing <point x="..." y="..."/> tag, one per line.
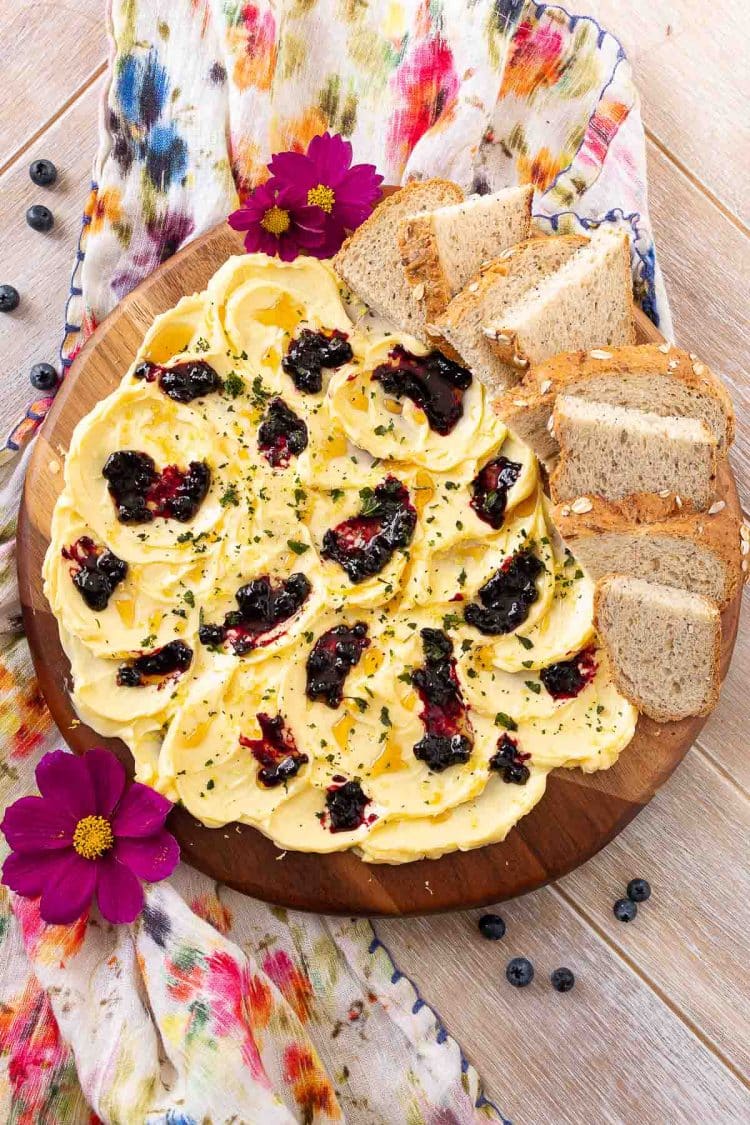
<point x="213" y="1007"/>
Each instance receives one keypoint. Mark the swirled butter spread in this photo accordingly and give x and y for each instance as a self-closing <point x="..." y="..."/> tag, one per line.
<point x="302" y="569"/>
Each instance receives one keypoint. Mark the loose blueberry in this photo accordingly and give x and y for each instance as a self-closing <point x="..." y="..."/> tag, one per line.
<point x="624" y="910"/>
<point x="639" y="890"/>
<point x="43" y="172"/>
<point x="519" y="972"/>
<point x="43" y="376"/>
<point x="9" y="298"/>
<point x="40" y="218"/>
<point x="491" y="926"/>
<point x="562" y="980"/>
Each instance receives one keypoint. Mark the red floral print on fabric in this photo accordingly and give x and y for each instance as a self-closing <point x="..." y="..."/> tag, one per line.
<point x="536" y="60"/>
<point x="424" y="88"/>
<point x="291" y="982"/>
<point x="312" y="1091"/>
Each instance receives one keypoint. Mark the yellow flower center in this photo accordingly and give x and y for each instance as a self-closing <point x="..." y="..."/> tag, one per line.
<point x="321" y="196"/>
<point x="93" y="837"/>
<point x="275" y="220"/>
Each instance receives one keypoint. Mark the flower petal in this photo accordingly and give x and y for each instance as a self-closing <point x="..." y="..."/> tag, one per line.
<point x="118" y="892"/>
<point x="33" y="824"/>
<point x="149" y="857"/>
<point x="28" y="873"/>
<point x="107" y="777"/>
<point x="65" y="780"/>
<point x="69" y="895"/>
<point x="294" y="168"/>
<point x="141" y="812"/>
<point x="331" y="155"/>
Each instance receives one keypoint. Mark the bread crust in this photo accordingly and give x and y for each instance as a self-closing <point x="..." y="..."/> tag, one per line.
<point x="644" y="515"/>
<point x="420" y="258"/>
<point x="659" y="715"/>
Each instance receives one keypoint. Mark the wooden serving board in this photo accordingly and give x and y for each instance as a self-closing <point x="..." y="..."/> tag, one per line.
<point x="578" y="815"/>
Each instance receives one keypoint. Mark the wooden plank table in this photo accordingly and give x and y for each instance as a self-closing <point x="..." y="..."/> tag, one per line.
<point x="658" y="1027"/>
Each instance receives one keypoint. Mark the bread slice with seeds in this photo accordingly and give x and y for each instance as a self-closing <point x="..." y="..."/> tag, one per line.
<point x="497" y="286"/>
<point x="663" y="646"/>
<point x="658" y="538"/>
<point x="654" y="377"/>
<point x="613" y="451"/>
<point x="442" y="250"/>
<point x="370" y="259"/>
<point x="587" y="303"/>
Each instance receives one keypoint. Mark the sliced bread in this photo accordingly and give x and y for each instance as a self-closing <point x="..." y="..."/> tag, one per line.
<point x="499" y="285"/>
<point x="587" y="303"/>
<point x="613" y="451"/>
<point x="663" y="646"/>
<point x="653" y="377"/>
<point x="441" y="250"/>
<point x="656" y="538"/>
<point x="370" y="259"/>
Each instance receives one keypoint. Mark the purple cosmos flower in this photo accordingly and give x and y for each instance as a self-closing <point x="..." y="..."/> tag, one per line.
<point x="278" y="221"/>
<point x="89" y="833"/>
<point x="324" y="174"/>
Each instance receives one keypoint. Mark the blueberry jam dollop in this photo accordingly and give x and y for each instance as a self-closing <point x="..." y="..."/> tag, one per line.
<point x="142" y="494"/>
<point x="566" y="679"/>
<point x="507" y="597"/>
<point x="96" y="571"/>
<point x="156" y="667"/>
<point x="490" y="488"/>
<point x="345" y="805"/>
<point x="433" y="382"/>
<point x="508" y="761"/>
<point x="331" y="659"/>
<point x="262" y="606"/>
<point x="364" y="544"/>
<point x="184" y="381"/>
<point x="275" y="751"/>
<point x="448" y="738"/>
<point x="281" y="434"/>
<point x="310" y="352"/>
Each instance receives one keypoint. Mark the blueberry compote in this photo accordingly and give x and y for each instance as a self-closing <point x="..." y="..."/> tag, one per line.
<point x="275" y="751"/>
<point x="184" y="381"/>
<point x="448" y="738"/>
<point x="331" y="659"/>
<point x="435" y="383"/>
<point x="509" y="762"/>
<point x="364" y="544"/>
<point x="310" y="352"/>
<point x="281" y="434"/>
<point x="162" y="664"/>
<point x="346" y="806"/>
<point x="95" y="571"/>
<point x="490" y="487"/>
<point x="141" y="494"/>
<point x="507" y="597"/>
<point x="262" y="606"/>
<point x="568" y="678"/>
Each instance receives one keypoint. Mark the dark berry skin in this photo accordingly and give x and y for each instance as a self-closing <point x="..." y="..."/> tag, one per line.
<point x="275" y="751"/>
<point x="184" y="381"/>
<point x="40" y="218"/>
<point x="310" y="352"/>
<point x="492" y="927"/>
<point x="281" y="434"/>
<point x="639" y="890"/>
<point x="331" y="659"/>
<point x="448" y="739"/>
<point x="9" y="298"/>
<point x="490" y="487"/>
<point x="519" y="972"/>
<point x="433" y="382"/>
<point x="568" y="678"/>
<point x="43" y="377"/>
<point x="364" y="544"/>
<point x="42" y="172"/>
<point x="96" y="572"/>
<point x="624" y="910"/>
<point x="507" y="597"/>
<point x="346" y="806"/>
<point x="170" y="660"/>
<point x="262" y="605"/>
<point x="508" y="761"/>
<point x="562" y="979"/>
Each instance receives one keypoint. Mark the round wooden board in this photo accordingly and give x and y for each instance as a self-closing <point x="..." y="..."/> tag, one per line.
<point x="578" y="815"/>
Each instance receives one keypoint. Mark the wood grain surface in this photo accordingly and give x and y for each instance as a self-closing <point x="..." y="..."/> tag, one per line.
<point x="578" y="815"/>
<point x="644" y="1036"/>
